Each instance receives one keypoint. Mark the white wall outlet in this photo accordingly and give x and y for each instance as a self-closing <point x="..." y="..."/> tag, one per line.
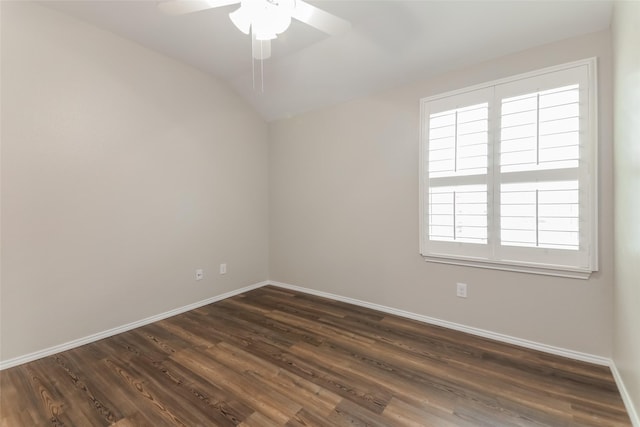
<point x="461" y="290"/>
<point x="223" y="268"/>
<point x="199" y="274"/>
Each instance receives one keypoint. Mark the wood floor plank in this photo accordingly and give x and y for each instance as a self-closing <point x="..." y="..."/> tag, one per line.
<point x="307" y="418"/>
<point x="402" y="413"/>
<point x="223" y="409"/>
<point x="277" y="357"/>
<point x="275" y="407"/>
<point x="256" y="419"/>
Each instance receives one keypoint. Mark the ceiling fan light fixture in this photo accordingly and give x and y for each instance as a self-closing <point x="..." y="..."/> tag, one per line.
<point x="265" y="18"/>
<point x="241" y="19"/>
<point x="280" y="20"/>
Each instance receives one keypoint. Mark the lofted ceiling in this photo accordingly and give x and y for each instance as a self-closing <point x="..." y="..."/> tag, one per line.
<point x="391" y="41"/>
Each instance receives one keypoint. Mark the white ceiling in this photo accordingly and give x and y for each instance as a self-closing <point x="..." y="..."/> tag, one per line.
<point x="391" y="41"/>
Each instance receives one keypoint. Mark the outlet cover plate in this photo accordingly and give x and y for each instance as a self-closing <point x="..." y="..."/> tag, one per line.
<point x="461" y="290"/>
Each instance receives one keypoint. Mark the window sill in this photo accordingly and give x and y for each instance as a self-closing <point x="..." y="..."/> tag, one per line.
<point x="543" y="269"/>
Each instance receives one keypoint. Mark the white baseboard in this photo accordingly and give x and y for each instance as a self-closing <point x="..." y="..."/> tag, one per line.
<point x="626" y="398"/>
<point x="559" y="351"/>
<point x="5" y="364"/>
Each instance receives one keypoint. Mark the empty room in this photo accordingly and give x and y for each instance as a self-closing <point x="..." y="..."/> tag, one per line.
<point x="319" y="213"/>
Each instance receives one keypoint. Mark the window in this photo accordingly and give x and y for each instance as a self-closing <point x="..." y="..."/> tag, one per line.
<point x="508" y="173"/>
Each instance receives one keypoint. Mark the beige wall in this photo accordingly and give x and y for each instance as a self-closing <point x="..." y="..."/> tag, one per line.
<point x="344" y="214"/>
<point x="626" y="48"/>
<point x="122" y="172"/>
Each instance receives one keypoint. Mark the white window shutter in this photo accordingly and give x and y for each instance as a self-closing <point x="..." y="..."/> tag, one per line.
<point x="456" y="161"/>
<point x="508" y="173"/>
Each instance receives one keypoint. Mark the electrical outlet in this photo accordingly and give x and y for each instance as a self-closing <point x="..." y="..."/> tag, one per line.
<point x="223" y="268"/>
<point x="461" y="290"/>
<point x="199" y="274"/>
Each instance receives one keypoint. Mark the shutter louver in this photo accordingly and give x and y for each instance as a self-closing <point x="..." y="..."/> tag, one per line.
<point x="539" y="132"/>
<point x="458" y="147"/>
<point x="543" y="214"/>
<point x="458" y="141"/>
<point x="458" y="213"/>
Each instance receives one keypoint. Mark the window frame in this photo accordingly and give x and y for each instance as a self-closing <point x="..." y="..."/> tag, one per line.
<point x="457" y="253"/>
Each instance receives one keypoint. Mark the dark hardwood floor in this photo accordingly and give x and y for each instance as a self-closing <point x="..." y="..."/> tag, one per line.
<point x="275" y="357"/>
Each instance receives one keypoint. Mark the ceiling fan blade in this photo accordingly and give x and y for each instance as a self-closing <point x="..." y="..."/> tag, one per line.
<point x="182" y="7"/>
<point x="261" y="49"/>
<point x="318" y="18"/>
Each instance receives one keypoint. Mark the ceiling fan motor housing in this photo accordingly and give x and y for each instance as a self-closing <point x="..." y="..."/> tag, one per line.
<point x="265" y="18"/>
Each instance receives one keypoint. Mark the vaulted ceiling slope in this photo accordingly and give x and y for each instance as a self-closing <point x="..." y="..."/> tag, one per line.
<point x="391" y="42"/>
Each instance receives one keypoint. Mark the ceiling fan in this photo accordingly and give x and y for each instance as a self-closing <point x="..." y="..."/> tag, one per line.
<point x="264" y="19"/>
